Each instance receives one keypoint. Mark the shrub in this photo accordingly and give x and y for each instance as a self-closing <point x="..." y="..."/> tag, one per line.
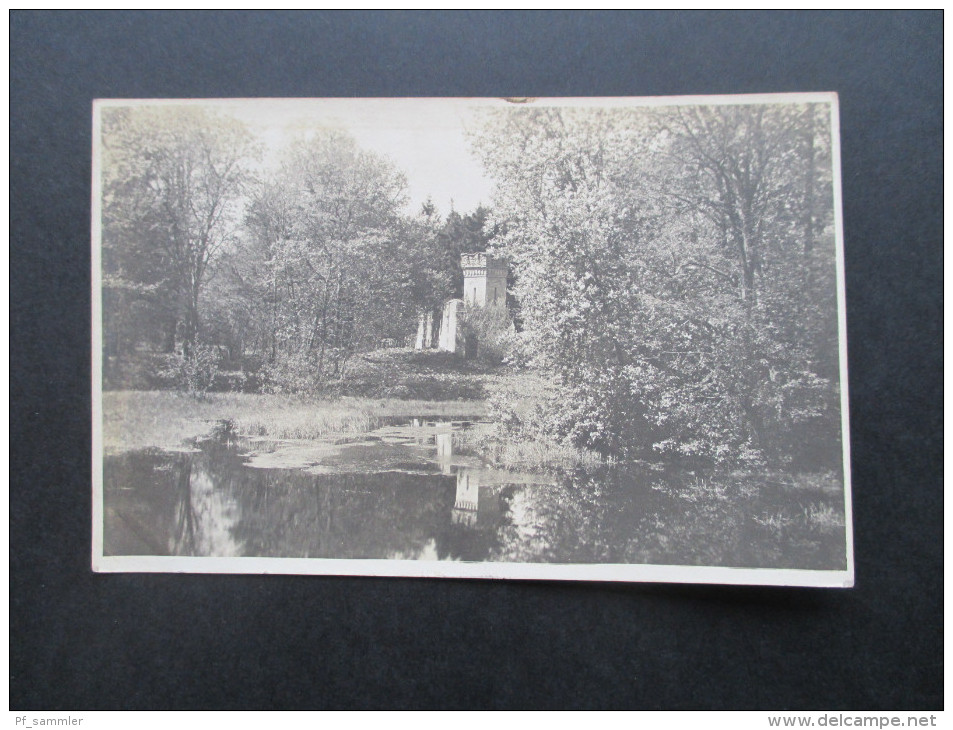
<point x="293" y="373"/>
<point x="235" y="381"/>
<point x="195" y="372"/>
<point x="494" y="330"/>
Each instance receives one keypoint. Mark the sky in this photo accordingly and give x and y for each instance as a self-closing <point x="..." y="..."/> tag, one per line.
<point x="425" y="138"/>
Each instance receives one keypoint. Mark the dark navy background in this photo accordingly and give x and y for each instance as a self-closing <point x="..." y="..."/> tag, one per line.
<point x="85" y="641"/>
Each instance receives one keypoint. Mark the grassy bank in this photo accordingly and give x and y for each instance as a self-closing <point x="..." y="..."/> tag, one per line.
<point x="165" y="419"/>
<point x="394" y="382"/>
<point x="379" y="384"/>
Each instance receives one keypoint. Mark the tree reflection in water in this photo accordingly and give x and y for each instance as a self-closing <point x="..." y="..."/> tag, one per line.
<point x="443" y="506"/>
<point x="205" y="515"/>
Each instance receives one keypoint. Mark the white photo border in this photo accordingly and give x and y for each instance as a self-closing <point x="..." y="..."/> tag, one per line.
<point x="647" y="573"/>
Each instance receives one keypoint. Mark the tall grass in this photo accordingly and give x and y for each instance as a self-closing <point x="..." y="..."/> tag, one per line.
<point x="163" y="419"/>
<point x="532" y="455"/>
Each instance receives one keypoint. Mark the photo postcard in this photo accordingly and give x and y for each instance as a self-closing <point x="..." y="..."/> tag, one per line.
<point x="578" y="338"/>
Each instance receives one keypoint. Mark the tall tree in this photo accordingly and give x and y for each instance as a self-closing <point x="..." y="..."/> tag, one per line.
<point x="328" y="234"/>
<point x="757" y="182"/>
<point x="660" y="257"/>
<point x="172" y="182"/>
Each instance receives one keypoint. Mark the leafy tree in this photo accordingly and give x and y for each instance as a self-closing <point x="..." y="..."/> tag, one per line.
<point x="172" y="182"/>
<point x="329" y="247"/>
<point x="756" y="182"/>
<point x="665" y="272"/>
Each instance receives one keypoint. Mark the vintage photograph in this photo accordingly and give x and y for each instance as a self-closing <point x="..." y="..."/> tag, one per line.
<point x="586" y="339"/>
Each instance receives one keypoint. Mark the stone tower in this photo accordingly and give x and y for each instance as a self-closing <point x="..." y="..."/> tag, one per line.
<point x="484" y="280"/>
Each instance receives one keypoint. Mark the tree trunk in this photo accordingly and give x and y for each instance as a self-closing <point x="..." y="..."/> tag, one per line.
<point x="172" y="325"/>
<point x="191" y="333"/>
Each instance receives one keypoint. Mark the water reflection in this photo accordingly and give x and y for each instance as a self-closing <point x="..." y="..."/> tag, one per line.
<point x="444" y="451"/>
<point x="403" y="492"/>
<point x="205" y="517"/>
<point x="467" y="501"/>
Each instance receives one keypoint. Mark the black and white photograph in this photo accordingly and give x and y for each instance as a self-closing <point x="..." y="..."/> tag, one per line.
<point x="569" y="338"/>
<point x="465" y="360"/>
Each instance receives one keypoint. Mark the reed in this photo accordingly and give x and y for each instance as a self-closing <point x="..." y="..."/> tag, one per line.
<point x="166" y="419"/>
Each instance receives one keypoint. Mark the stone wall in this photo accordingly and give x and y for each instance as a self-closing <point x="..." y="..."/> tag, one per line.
<point x="449" y="326"/>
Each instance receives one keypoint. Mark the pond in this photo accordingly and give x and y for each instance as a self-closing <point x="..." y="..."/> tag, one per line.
<point x="405" y="490"/>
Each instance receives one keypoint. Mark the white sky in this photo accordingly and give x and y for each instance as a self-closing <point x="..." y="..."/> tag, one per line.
<point x="425" y="138"/>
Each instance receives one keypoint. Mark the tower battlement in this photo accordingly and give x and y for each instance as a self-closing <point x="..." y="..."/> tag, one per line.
<point x="481" y="260"/>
